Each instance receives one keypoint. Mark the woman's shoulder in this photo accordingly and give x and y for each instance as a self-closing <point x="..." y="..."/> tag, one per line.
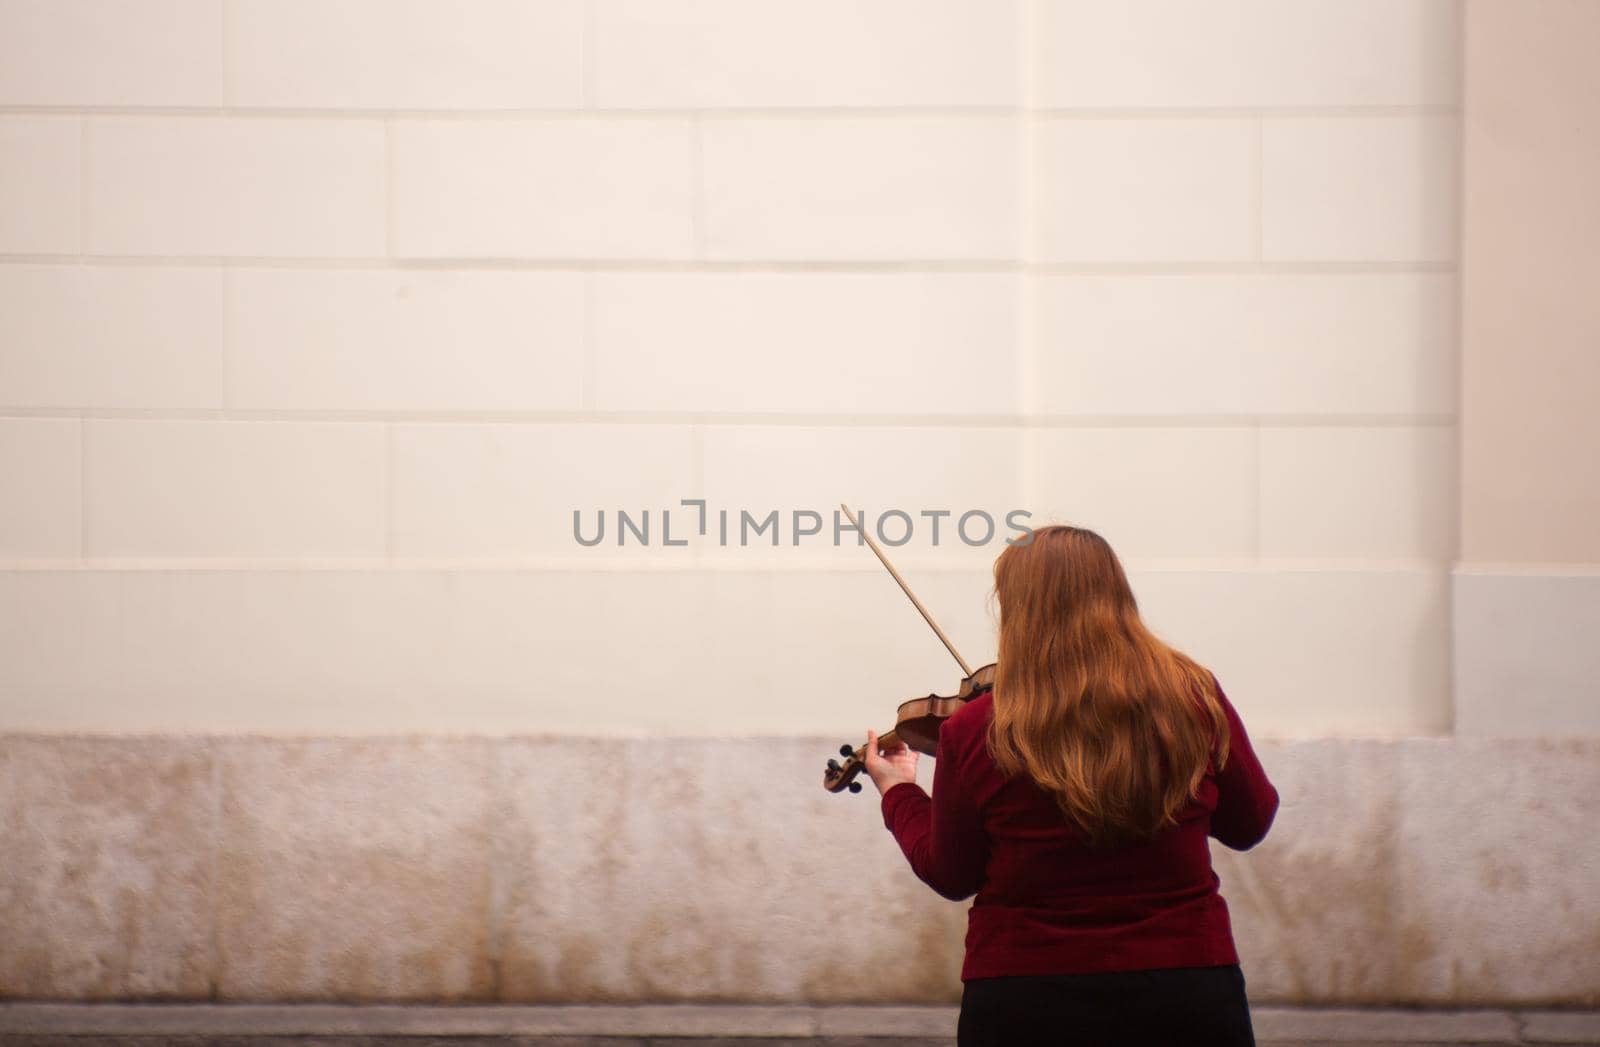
<point x="962" y="733"/>
<point x="970" y="719"/>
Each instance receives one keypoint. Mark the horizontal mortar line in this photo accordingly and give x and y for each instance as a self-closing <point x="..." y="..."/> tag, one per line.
<point x="1529" y="569"/>
<point x="714" y="266"/>
<point x="564" y="113"/>
<point x="579" y="265"/>
<point x="1263" y="268"/>
<point x="769" y="112"/>
<point x="1286" y="112"/>
<point x="1265" y="420"/>
<point x="710" y="559"/>
<point x="823" y="739"/>
<point x="876" y="420"/>
<point x="446" y="732"/>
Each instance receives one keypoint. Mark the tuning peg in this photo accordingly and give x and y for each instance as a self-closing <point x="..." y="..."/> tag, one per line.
<point x="833" y="765"/>
<point x="846" y="751"/>
<point x="855" y="787"/>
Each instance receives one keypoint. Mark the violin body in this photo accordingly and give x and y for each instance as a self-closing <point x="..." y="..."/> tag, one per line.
<point x="917" y="723"/>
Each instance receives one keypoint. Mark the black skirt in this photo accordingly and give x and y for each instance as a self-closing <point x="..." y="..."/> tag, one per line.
<point x="1170" y="1007"/>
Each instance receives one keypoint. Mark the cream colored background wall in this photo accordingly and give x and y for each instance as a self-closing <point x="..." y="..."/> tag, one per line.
<point x="1527" y="590"/>
<point x="317" y="320"/>
<point x="1531" y="341"/>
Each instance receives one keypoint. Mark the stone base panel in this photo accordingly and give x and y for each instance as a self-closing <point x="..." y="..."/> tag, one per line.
<point x="1455" y="872"/>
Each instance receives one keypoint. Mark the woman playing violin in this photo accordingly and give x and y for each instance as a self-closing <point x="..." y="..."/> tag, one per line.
<point x="1075" y="801"/>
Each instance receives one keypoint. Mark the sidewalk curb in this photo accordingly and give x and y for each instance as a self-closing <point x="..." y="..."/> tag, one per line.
<point x="729" y="1022"/>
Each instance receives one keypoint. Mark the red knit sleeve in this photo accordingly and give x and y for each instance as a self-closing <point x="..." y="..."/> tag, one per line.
<point x="941" y="836"/>
<point x="1246" y="800"/>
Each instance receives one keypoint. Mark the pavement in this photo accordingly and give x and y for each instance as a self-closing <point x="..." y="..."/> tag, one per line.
<point x="337" y="1025"/>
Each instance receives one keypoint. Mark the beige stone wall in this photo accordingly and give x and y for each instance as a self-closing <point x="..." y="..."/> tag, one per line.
<point x="318" y="320"/>
<point x="1526" y="602"/>
<point x="317" y="323"/>
<point x="1530" y="340"/>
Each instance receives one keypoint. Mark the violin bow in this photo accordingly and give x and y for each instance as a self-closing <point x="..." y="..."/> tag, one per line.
<point x="855" y="521"/>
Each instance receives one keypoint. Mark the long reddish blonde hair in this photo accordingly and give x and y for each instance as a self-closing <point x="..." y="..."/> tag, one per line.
<point x="1090" y="704"/>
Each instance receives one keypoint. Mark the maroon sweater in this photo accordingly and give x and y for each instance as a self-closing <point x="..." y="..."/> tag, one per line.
<point x="1046" y="904"/>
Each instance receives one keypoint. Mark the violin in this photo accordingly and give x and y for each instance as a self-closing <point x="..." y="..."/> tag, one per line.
<point x="917" y="720"/>
<point x="916" y="724"/>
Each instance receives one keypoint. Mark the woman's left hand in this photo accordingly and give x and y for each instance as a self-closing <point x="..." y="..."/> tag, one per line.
<point x="891" y="765"/>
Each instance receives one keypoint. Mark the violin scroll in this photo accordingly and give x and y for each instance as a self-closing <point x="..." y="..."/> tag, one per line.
<point x="838" y="777"/>
<point x="917" y="725"/>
